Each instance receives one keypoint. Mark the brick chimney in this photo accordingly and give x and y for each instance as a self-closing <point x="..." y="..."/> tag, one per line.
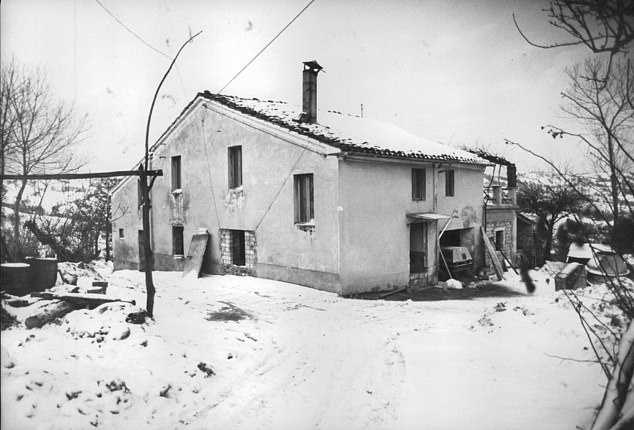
<point x="309" y="90"/>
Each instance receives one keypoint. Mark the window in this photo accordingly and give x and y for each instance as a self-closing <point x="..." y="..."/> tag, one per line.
<point x="449" y="183"/>
<point x="419" y="179"/>
<point x="238" y="254"/>
<point x="499" y="240"/>
<point x="235" y="166"/>
<point x="121" y="235"/>
<point x="304" y="206"/>
<point x="177" y="240"/>
<point x="176" y="172"/>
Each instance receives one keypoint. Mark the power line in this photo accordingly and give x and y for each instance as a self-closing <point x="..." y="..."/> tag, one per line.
<point x="266" y="46"/>
<point x="132" y="32"/>
<point x="145" y="43"/>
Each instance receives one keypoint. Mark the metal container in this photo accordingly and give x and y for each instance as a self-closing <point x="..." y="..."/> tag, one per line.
<point x="15" y="278"/>
<point x="44" y="272"/>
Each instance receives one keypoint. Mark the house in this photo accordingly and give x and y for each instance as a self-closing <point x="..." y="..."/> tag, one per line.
<point x="323" y="199"/>
<point x="500" y="208"/>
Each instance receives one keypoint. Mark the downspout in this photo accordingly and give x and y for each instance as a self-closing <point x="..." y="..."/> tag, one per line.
<point x="340" y="210"/>
<point x="434" y="186"/>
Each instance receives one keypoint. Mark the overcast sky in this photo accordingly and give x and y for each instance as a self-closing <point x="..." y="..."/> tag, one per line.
<point x="457" y="72"/>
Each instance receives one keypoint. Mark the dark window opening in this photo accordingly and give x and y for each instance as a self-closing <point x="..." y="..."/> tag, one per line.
<point x="235" y="166"/>
<point x="121" y="235"/>
<point x="449" y="183"/>
<point x="238" y="254"/>
<point x="304" y="198"/>
<point x="499" y="240"/>
<point x="176" y="172"/>
<point x="419" y="186"/>
<point x="177" y="240"/>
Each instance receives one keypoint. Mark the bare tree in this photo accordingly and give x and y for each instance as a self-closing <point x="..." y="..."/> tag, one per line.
<point x="38" y="132"/>
<point x="600" y="100"/>
<point x="603" y="26"/>
<point x="550" y="203"/>
<point x="600" y="97"/>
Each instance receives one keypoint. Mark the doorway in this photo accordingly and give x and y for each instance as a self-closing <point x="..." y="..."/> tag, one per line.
<point x="418" y="247"/>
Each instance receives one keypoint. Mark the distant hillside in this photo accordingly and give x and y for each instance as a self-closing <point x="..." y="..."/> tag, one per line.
<point x="56" y="193"/>
<point x="596" y="187"/>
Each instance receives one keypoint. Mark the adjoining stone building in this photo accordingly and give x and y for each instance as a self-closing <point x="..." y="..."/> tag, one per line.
<point x="511" y="233"/>
<point x="323" y="199"/>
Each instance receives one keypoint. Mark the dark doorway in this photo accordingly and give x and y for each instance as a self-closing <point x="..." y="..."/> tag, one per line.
<point x="238" y="255"/>
<point x="418" y="247"/>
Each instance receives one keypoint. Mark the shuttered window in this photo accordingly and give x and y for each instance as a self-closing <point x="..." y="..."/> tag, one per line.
<point x="176" y="173"/>
<point x="304" y="201"/>
<point x="235" y="166"/>
<point x="449" y="183"/>
<point x="419" y="184"/>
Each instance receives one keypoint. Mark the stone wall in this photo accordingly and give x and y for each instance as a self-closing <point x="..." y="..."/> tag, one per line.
<point x="491" y="229"/>
<point x="229" y="246"/>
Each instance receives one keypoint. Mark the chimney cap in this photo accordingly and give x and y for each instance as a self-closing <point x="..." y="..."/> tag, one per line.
<point x="313" y="65"/>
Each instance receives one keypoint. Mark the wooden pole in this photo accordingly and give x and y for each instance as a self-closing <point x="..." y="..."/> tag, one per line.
<point x="145" y="190"/>
<point x="58" y="176"/>
<point x="147" y="248"/>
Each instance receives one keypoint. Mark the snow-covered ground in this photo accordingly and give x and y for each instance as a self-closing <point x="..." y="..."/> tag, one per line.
<point x="246" y="353"/>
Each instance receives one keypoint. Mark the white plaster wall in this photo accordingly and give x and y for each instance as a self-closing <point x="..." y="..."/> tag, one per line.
<point x="375" y="241"/>
<point x="265" y="204"/>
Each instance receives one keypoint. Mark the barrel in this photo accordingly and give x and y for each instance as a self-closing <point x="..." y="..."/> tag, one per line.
<point x="44" y="272"/>
<point x="15" y="278"/>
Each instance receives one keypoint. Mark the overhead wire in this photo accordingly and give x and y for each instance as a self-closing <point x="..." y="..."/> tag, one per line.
<point x="266" y="46"/>
<point x="129" y="30"/>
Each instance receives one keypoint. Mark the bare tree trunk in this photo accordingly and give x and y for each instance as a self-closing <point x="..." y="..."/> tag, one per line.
<point x="147" y="249"/>
<point x="618" y="393"/>
<point x="145" y="190"/>
<point x="54" y="309"/>
<point x="17" y="253"/>
<point x="614" y="186"/>
<point x="550" y="226"/>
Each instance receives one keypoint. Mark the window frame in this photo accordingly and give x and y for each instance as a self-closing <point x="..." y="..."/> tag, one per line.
<point x="178" y="241"/>
<point x="121" y="234"/>
<point x="419" y="184"/>
<point x="450" y="183"/>
<point x="304" y="198"/>
<point x="176" y="170"/>
<point x="234" y="166"/>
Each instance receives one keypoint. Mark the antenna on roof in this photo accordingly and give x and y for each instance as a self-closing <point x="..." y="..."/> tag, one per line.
<point x="361" y="110"/>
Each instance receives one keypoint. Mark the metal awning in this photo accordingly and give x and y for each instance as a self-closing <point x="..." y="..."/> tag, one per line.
<point x="426" y="217"/>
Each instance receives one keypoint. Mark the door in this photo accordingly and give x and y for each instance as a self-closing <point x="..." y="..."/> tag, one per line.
<point x="418" y="247"/>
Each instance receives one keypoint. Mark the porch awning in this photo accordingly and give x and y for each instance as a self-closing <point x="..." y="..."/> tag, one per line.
<point x="425" y="217"/>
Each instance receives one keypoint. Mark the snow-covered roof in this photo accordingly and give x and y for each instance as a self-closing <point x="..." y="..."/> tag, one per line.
<point x="348" y="133"/>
